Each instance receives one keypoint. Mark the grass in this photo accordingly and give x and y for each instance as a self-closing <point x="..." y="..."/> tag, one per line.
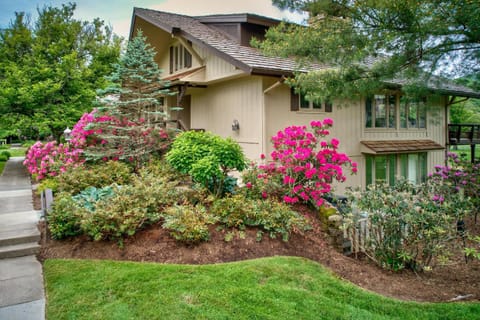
<point x="464" y="151"/>
<point x="17" y="152"/>
<point x="268" y="288"/>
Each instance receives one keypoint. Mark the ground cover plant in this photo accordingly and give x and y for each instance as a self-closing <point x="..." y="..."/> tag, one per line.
<point x="271" y="288"/>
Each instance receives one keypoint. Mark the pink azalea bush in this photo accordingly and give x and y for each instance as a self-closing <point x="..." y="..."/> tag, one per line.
<point x="82" y="134"/>
<point x="458" y="176"/>
<point x="303" y="164"/>
<point x="49" y="159"/>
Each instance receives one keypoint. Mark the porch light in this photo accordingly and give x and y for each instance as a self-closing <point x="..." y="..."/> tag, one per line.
<point x="235" y="125"/>
<point x="67" y="134"/>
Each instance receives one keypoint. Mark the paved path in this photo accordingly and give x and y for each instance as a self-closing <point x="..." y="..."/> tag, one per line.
<point x="21" y="280"/>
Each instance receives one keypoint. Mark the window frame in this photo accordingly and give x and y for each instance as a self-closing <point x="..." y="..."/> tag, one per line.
<point x="397" y="164"/>
<point x="397" y="115"/>
<point x="180" y="58"/>
<point x="298" y="103"/>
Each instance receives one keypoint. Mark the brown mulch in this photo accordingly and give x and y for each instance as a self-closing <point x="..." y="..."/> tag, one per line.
<point x="155" y="245"/>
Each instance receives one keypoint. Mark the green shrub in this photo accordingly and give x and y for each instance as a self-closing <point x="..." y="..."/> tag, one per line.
<point x="3" y="157"/>
<point x="100" y="175"/>
<point x="4" y="146"/>
<point x="188" y="223"/>
<point x="6" y="153"/>
<point x="408" y="227"/>
<point x="28" y="143"/>
<point x="272" y="216"/>
<point x="132" y="206"/>
<point x="63" y="219"/>
<point x="89" y="197"/>
<point x="207" y="158"/>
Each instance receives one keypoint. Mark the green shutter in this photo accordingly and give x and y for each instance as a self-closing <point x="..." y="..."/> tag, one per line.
<point x="368" y="169"/>
<point x="328" y="106"/>
<point x="392" y="167"/>
<point x="422" y="157"/>
<point x="294" y="100"/>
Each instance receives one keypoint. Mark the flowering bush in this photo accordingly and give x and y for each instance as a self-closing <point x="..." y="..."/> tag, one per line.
<point x="304" y="164"/>
<point x="407" y="226"/>
<point x="82" y="134"/>
<point x="458" y="177"/>
<point x="51" y="159"/>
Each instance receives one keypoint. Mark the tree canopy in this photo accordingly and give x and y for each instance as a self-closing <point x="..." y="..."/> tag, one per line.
<point x="50" y="69"/>
<point x="132" y="108"/>
<point x="365" y="43"/>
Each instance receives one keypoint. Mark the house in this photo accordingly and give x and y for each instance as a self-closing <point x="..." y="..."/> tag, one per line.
<point x="231" y="89"/>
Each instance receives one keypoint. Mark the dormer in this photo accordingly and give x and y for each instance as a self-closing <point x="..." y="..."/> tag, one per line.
<point x="240" y="27"/>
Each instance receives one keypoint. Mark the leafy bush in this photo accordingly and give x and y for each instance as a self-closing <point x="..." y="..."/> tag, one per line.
<point x="89" y="197"/>
<point x="188" y="223"/>
<point x="99" y="175"/>
<point x="271" y="216"/>
<point x="306" y="166"/>
<point x="207" y="158"/>
<point x="63" y="219"/>
<point x="3" y="157"/>
<point x="408" y="226"/>
<point x="458" y="176"/>
<point x="132" y="206"/>
<point x="49" y="159"/>
<point x="6" y="153"/>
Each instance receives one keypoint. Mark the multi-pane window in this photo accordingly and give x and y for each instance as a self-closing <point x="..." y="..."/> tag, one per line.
<point x="381" y="111"/>
<point x="300" y="103"/>
<point x="180" y="58"/>
<point x="413" y="113"/>
<point x="385" y="168"/>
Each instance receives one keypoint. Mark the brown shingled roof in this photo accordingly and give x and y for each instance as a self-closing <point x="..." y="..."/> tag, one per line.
<point x="248" y="59"/>
<point x="251" y="60"/>
<point x="401" y="146"/>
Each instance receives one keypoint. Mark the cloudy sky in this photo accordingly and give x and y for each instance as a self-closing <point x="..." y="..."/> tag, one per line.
<point x="118" y="13"/>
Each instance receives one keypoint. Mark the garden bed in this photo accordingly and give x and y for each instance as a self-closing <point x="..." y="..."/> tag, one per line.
<point x="154" y="244"/>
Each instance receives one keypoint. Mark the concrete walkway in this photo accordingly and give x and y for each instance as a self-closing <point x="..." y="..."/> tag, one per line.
<point x="21" y="279"/>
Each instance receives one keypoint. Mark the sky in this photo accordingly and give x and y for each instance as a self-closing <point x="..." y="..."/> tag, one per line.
<point x="118" y="13"/>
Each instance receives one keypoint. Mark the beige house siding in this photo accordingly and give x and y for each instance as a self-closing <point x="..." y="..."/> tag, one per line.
<point x="346" y="126"/>
<point x="215" y="108"/>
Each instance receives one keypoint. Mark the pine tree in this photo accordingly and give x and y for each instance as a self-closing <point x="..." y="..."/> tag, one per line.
<point x="132" y="106"/>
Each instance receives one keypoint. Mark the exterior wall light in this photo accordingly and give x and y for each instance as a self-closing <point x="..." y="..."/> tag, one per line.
<point x="235" y="125"/>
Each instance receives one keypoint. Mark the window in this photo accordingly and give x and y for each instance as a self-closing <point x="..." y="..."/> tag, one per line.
<point x="180" y="58"/>
<point x="380" y="111"/>
<point x="414" y="167"/>
<point x="384" y="168"/>
<point x="300" y="103"/>
<point x="413" y="113"/>
<point x="381" y="169"/>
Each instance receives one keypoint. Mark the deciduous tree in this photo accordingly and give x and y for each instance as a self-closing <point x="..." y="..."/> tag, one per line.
<point x="50" y="69"/>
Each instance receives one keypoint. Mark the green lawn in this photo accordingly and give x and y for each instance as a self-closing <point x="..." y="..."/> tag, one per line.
<point x="270" y="288"/>
<point x="465" y="151"/>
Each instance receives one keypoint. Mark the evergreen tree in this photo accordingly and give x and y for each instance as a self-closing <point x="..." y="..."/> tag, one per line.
<point x="135" y="125"/>
<point x="366" y="43"/>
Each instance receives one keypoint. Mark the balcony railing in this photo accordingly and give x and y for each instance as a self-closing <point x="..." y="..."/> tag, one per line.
<point x="463" y="134"/>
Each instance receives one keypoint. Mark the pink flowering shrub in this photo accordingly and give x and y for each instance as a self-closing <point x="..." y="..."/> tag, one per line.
<point x="82" y="134"/>
<point x="51" y="159"/>
<point x="304" y="166"/>
<point x="458" y="176"/>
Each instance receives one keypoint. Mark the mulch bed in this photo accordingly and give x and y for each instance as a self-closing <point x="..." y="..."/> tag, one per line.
<point x="456" y="280"/>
